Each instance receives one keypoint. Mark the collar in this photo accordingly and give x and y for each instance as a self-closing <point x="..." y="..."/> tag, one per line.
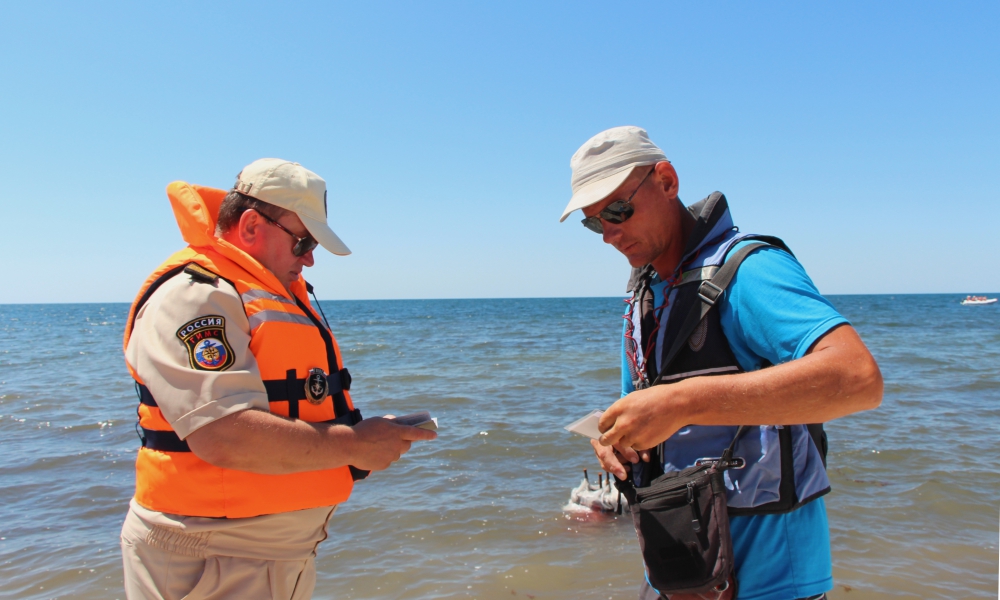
<point x="712" y="219"/>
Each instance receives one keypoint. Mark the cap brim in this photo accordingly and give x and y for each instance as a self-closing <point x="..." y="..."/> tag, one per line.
<point x="594" y="192"/>
<point x="325" y="236"/>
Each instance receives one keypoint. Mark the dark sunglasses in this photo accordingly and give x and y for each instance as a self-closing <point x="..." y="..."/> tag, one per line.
<point x="617" y="212"/>
<point x="302" y="245"/>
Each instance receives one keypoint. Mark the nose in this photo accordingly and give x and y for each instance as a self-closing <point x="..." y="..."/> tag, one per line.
<point x="307" y="259"/>
<point x="611" y="232"/>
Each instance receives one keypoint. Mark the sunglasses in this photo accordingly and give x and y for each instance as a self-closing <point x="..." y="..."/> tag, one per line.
<point x="302" y="246"/>
<point x="617" y="212"/>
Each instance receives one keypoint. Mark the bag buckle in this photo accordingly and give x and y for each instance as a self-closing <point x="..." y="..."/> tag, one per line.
<point x="709" y="292"/>
<point x="737" y="462"/>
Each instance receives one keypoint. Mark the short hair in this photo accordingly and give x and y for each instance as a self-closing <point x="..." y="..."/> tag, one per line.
<point x="236" y="203"/>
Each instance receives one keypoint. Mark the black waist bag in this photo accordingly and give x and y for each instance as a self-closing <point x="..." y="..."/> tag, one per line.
<point x="682" y="524"/>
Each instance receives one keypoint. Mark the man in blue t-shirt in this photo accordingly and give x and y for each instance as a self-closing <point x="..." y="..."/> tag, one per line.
<point x="770" y="314"/>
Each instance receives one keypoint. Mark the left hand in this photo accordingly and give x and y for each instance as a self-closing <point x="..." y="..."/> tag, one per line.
<point x="618" y="461"/>
<point x="644" y="418"/>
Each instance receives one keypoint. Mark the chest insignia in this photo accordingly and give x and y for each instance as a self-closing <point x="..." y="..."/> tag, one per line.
<point x="697" y="340"/>
<point x="317" y="387"/>
<point x="206" y="343"/>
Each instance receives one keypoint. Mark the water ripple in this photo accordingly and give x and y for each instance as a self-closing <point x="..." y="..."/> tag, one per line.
<point x="477" y="513"/>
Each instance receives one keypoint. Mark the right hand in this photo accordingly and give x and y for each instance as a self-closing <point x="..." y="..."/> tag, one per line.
<point x="617" y="460"/>
<point x="380" y="442"/>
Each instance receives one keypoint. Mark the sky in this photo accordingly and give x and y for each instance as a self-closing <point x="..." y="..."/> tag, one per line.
<point x="864" y="134"/>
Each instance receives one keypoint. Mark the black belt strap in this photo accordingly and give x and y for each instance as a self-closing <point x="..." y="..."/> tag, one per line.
<point x="293" y="388"/>
<point x="279" y="390"/>
<point x="164" y="441"/>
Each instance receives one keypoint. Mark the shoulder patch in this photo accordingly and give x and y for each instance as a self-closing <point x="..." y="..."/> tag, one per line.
<point x="206" y="343"/>
<point x="201" y="274"/>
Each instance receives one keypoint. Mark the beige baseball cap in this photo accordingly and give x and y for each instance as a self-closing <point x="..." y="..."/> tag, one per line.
<point x="605" y="161"/>
<point x="293" y="187"/>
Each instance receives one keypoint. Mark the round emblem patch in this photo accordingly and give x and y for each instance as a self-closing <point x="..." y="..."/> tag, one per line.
<point x="210" y="354"/>
<point x="317" y="387"/>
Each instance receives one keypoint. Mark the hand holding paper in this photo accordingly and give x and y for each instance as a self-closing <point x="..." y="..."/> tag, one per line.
<point x="612" y="459"/>
<point x="587" y="426"/>
<point x="422" y="420"/>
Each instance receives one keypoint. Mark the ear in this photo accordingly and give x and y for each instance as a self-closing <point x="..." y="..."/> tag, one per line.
<point x="248" y="231"/>
<point x="667" y="178"/>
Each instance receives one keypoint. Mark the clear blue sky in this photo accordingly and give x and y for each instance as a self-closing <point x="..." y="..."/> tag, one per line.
<point x="866" y="134"/>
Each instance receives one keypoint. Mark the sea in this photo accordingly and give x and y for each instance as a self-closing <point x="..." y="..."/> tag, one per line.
<point x="479" y="512"/>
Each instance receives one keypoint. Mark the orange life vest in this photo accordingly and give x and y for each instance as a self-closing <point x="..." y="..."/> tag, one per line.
<point x="289" y="342"/>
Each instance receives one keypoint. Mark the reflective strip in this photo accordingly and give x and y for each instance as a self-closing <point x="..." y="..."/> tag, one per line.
<point x="264" y="316"/>
<point x="253" y="294"/>
<point x="701" y="372"/>
<point x="702" y="274"/>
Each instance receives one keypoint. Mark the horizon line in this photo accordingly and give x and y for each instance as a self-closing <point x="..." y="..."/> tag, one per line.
<point x="503" y="298"/>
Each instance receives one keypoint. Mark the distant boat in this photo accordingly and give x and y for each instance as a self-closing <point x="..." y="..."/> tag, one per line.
<point x="977" y="300"/>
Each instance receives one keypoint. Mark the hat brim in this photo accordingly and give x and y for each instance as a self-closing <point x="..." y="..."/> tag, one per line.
<point x="594" y="192"/>
<point x="325" y="236"/>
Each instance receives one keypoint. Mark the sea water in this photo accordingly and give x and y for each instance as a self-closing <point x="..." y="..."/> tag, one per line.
<point x="478" y="512"/>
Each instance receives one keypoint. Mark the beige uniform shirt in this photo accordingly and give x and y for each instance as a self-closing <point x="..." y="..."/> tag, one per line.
<point x="190" y="398"/>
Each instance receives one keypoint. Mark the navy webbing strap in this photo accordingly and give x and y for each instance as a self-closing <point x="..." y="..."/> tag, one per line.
<point x="164" y="441"/>
<point x="293" y="388"/>
<point x="145" y="396"/>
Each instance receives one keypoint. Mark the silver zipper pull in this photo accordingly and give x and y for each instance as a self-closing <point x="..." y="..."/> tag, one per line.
<point x="695" y="521"/>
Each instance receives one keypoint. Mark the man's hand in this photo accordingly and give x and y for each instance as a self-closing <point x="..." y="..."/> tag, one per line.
<point x="836" y="377"/>
<point x="618" y="461"/>
<point x="379" y="442"/>
<point x="644" y="418"/>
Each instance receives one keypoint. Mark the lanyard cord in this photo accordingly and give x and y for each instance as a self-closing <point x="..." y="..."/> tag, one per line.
<point x="630" y="347"/>
<point x="316" y="300"/>
<point x="631" y="354"/>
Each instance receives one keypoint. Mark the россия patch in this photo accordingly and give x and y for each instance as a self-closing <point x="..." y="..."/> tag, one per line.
<point x="206" y="343"/>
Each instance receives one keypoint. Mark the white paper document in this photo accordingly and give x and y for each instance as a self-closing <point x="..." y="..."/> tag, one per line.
<point x="587" y="426"/>
<point x="422" y="419"/>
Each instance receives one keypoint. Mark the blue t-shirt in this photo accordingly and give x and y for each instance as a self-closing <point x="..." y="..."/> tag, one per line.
<point x="772" y="312"/>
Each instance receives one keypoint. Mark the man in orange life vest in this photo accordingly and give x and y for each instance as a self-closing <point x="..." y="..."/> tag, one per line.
<point x="249" y="436"/>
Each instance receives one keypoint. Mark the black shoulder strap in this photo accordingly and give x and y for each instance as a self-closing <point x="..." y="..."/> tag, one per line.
<point x="197" y="272"/>
<point x="709" y="293"/>
<point x="150" y="290"/>
<point x="201" y="274"/>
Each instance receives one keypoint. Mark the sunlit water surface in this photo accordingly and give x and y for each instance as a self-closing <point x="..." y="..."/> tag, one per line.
<point x="478" y="513"/>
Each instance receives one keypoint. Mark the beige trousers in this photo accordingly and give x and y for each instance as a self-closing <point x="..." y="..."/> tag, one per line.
<point x="171" y="557"/>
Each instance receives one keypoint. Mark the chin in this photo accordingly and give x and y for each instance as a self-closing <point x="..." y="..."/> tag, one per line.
<point x="637" y="261"/>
